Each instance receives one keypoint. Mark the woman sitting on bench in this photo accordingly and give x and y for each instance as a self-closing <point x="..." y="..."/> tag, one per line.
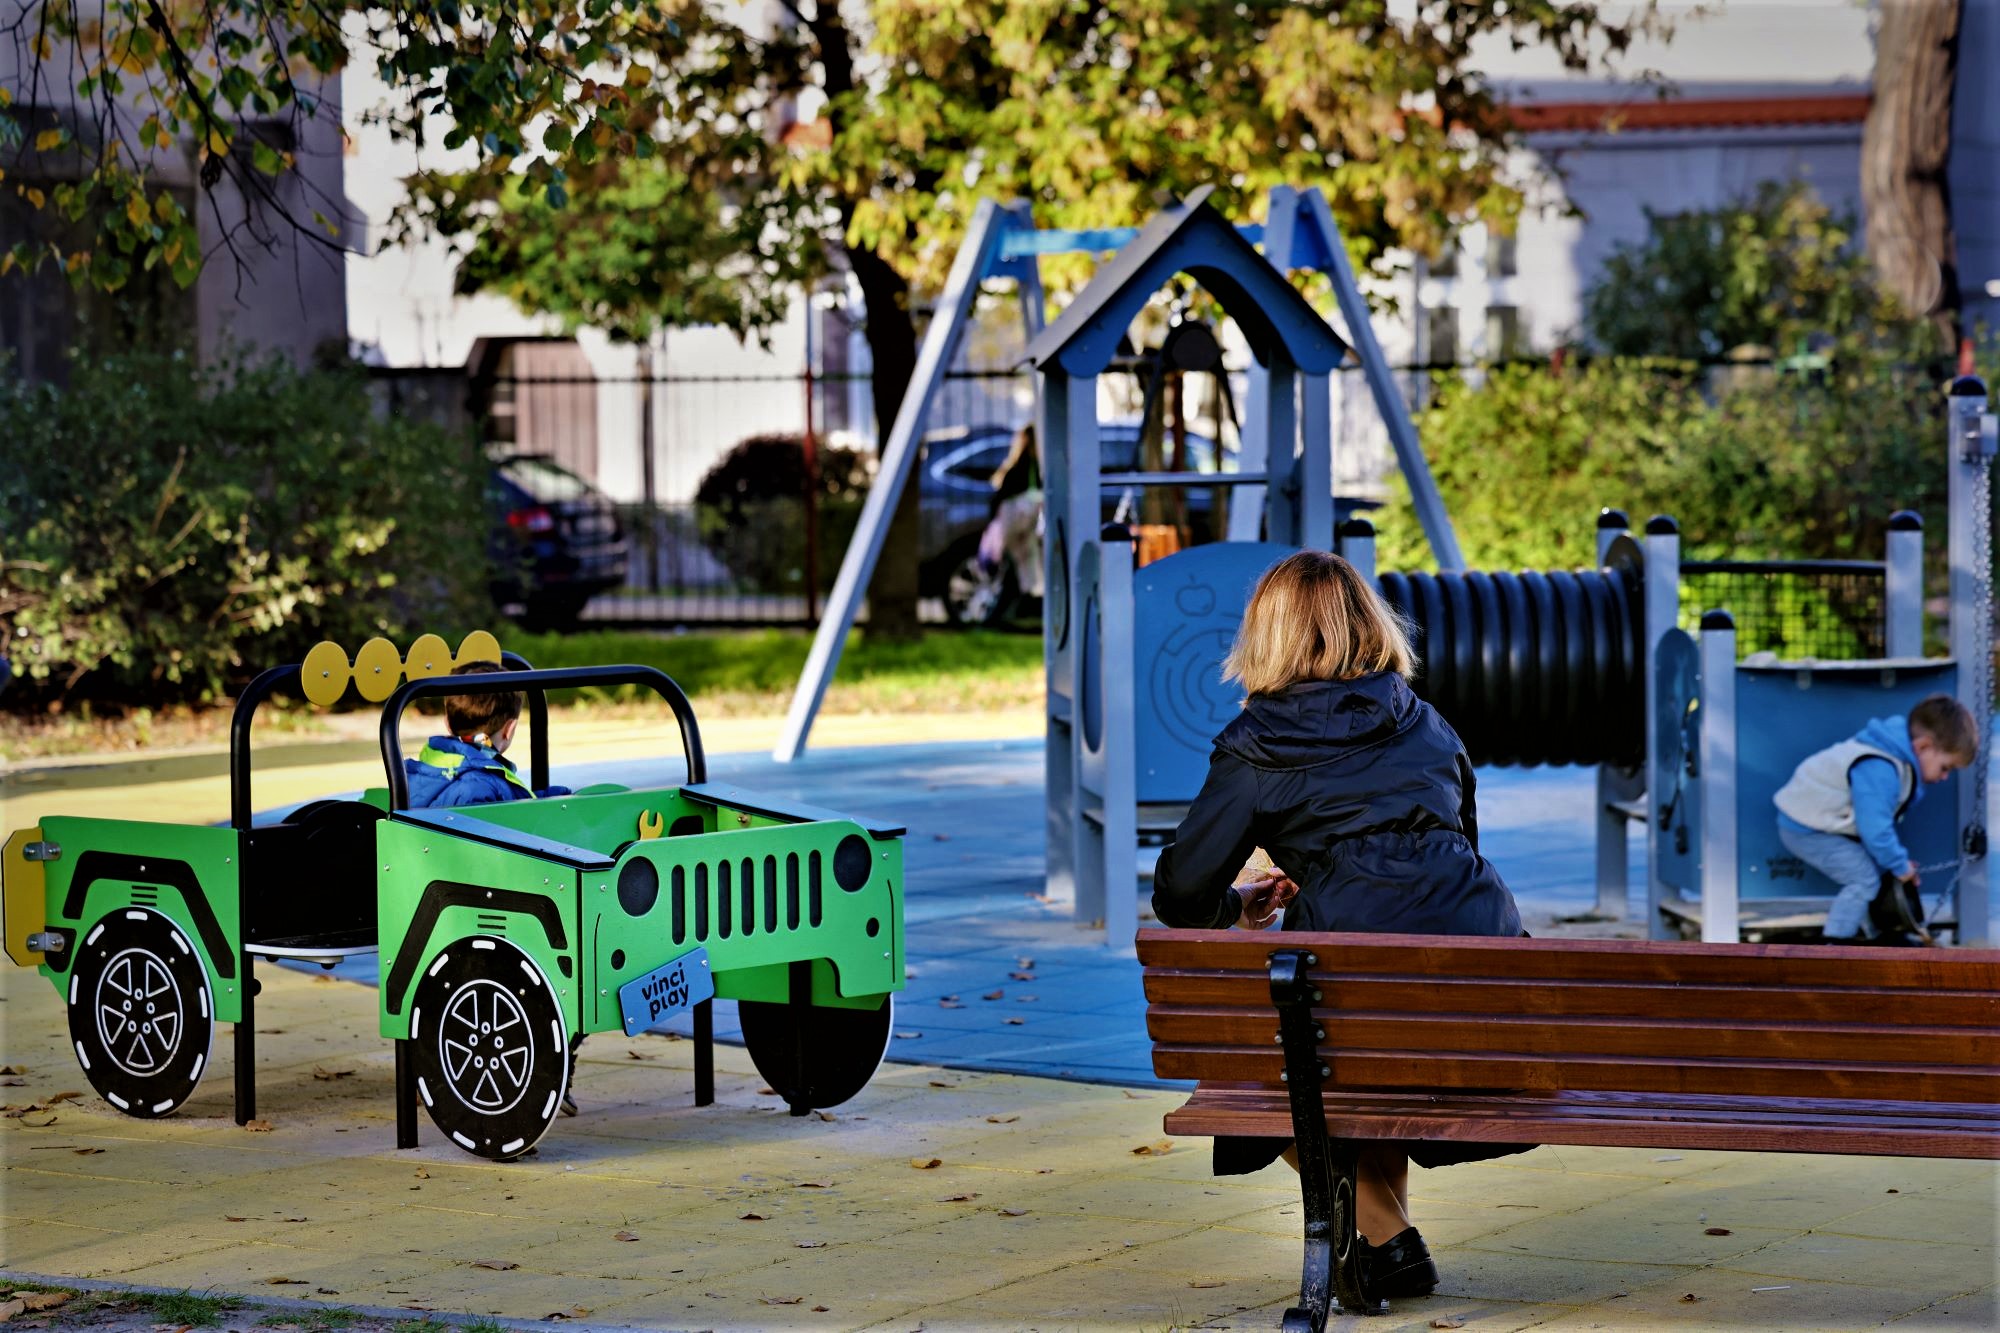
<point x="1363" y="797"/>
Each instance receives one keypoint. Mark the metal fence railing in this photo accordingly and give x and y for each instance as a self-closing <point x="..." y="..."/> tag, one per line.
<point x="1829" y="610"/>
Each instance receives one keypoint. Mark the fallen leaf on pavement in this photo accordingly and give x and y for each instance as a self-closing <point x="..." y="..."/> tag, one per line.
<point x="1134" y="1096"/>
<point x="46" y="1118"/>
<point x="285" y="1281"/>
<point x="497" y="1265"/>
<point x="926" y="1163"/>
<point x="86" y="1152"/>
<point x="1001" y="1119"/>
<point x="940" y="1083"/>
<point x="423" y="1174"/>
<point x="1022" y="976"/>
<point x="45" y="1300"/>
<point x="1716" y="1231"/>
<point x="815" y="1184"/>
<point x="967" y="1197"/>
<point x="1205" y="1284"/>
<point x="827" y="1116"/>
<point x="13" y="1069"/>
<point x="1013" y="1212"/>
<point x="64" y="1097"/>
<point x="1689" y="1299"/>
<point x="328" y="1075"/>
<point x="781" y="1300"/>
<point x="11" y="1082"/>
<point x="753" y="1217"/>
<point x="809" y="1245"/>
<point x="993" y="995"/>
<point x="767" y="1092"/>
<point x="1449" y="1321"/>
<point x="950" y="1002"/>
<point x="8" y="1309"/>
<point x="821" y="1309"/>
<point x="227" y="1218"/>
<point x="258" y="1126"/>
<point x="636" y="1055"/>
<point x="1024" y="963"/>
<point x="623" y="1235"/>
<point x="1160" y="1149"/>
<point x="1016" y="1022"/>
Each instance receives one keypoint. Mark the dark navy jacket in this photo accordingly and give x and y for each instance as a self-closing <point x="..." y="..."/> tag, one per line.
<point x="1362" y="794"/>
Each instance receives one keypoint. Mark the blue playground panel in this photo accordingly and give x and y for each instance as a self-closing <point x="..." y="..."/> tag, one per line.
<point x="1784" y="713"/>
<point x="1187" y="608"/>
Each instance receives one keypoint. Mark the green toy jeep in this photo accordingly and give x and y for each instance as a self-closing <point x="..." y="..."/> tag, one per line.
<point x="505" y="932"/>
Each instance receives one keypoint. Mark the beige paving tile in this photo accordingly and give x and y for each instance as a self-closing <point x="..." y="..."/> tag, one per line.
<point x="1970" y="1217"/>
<point x="1729" y="1300"/>
<point x="1527" y="1278"/>
<point x="1962" y="1310"/>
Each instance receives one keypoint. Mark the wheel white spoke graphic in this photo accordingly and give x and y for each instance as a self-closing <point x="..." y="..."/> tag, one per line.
<point x="483" y="1046"/>
<point x="139" y="1013"/>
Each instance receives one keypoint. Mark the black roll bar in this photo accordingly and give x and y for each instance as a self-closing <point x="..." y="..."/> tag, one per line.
<point x="283" y="677"/>
<point x="535" y="684"/>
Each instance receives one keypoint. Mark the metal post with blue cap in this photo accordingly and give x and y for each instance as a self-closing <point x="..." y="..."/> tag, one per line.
<point x="1974" y="437"/>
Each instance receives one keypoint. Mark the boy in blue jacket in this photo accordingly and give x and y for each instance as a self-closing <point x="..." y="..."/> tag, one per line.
<point x="1839" y="811"/>
<point x="470" y="767"/>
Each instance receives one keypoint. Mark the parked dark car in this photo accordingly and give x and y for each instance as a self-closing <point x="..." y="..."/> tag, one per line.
<point x="555" y="542"/>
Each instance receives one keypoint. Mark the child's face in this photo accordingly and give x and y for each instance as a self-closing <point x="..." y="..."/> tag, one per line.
<point x="1933" y="761"/>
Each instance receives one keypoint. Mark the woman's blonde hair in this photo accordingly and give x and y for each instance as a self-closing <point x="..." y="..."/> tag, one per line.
<point x="1314" y="618"/>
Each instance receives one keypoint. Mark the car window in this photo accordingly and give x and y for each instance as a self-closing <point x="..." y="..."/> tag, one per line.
<point x="544" y="480"/>
<point x="978" y="464"/>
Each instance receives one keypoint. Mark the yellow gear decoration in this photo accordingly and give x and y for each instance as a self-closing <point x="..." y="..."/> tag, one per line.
<point x="428" y="657"/>
<point x="478" y="646"/>
<point x="325" y="674"/>
<point x="377" y="670"/>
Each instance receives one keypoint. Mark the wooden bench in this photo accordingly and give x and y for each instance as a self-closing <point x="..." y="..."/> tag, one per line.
<point x="1763" y="1048"/>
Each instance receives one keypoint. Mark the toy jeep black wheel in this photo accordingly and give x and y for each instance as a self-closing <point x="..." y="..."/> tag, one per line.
<point x="141" y="1018"/>
<point x="491" y="1056"/>
<point x="815" y="1056"/>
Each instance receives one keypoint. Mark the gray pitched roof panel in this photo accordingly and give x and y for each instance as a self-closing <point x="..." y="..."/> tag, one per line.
<point x="1189" y="238"/>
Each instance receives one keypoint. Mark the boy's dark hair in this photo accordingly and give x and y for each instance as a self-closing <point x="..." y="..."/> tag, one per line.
<point x="1949" y="723"/>
<point x="471" y="714"/>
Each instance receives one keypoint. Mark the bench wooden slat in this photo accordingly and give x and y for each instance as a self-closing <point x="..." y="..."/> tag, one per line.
<point x="1424" y="1069"/>
<point x="1871" y="1129"/>
<point x="1667" y="962"/>
<point x="1753" y="1039"/>
<point x="1347" y="992"/>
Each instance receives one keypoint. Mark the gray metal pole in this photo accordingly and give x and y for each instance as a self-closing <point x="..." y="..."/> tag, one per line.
<point x="1613" y="834"/>
<point x="1720" y="921"/>
<point x="1903" y="597"/>
<point x="1973" y="441"/>
<point x="1663" y="597"/>
<point x="899" y="453"/>
<point x="1424" y="496"/>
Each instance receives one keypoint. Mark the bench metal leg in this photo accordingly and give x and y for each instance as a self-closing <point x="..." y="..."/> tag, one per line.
<point x="1326" y="1166"/>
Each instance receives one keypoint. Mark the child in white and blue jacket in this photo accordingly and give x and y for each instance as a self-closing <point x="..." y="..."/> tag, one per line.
<point x="470" y="767"/>
<point x="1839" y="811"/>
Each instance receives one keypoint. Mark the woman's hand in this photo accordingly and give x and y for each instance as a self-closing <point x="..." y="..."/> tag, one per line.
<point x="1264" y="895"/>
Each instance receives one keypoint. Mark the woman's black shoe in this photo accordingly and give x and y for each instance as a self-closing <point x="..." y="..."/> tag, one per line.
<point x="1399" y="1266"/>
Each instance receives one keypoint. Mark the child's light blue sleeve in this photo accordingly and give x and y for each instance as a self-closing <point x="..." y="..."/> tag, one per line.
<point x="1875" y="785"/>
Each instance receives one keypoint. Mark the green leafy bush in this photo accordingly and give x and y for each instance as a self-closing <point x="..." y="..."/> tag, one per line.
<point x="167" y="528"/>
<point x="1778" y="466"/>
<point x="750" y="509"/>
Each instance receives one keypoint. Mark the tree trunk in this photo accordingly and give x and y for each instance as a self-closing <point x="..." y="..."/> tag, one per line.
<point x="892" y="344"/>
<point x="1905" y="148"/>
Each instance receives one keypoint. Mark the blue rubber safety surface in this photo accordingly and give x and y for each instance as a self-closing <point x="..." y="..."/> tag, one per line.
<point x="977" y="922"/>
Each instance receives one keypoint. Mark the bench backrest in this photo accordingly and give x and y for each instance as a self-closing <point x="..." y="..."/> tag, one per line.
<point x="1418" y="1011"/>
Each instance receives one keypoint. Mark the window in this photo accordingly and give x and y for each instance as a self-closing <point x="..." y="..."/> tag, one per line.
<point x="1446" y="264"/>
<point x="1440" y="336"/>
<point x="1502" y="255"/>
<point x="1503" y="333"/>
